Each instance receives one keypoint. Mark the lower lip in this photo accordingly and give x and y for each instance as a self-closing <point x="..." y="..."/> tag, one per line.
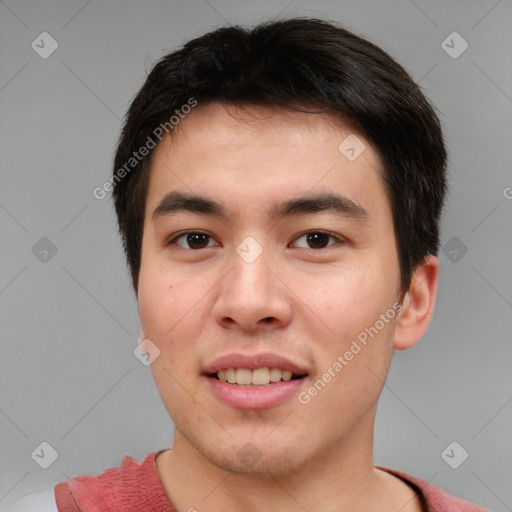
<point x="240" y="397"/>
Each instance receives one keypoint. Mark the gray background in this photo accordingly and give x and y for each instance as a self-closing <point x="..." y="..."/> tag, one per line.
<point x="69" y="321"/>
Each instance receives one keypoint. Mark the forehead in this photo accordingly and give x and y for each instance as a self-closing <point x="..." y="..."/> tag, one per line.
<point x="239" y="125"/>
<point x="252" y="153"/>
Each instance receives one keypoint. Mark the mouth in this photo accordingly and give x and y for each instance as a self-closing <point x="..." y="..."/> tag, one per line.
<point x="254" y="381"/>
<point x="257" y="378"/>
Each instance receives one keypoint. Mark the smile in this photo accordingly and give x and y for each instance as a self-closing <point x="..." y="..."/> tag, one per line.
<point x="254" y="381"/>
<point x="252" y="378"/>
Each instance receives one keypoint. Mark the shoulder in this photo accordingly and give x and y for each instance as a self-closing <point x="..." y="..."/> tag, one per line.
<point x="42" y="501"/>
<point x="435" y="498"/>
<point x="129" y="487"/>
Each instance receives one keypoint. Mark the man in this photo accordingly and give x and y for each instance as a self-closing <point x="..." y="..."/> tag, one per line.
<point x="278" y="192"/>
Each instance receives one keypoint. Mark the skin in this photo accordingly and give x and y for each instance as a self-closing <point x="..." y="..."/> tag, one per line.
<point x="307" y="304"/>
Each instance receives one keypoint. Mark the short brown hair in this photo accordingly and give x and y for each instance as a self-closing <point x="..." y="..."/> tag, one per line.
<point x="297" y="64"/>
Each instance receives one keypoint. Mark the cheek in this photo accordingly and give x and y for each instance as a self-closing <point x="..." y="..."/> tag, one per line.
<point x="349" y="304"/>
<point x="162" y="297"/>
<point x="171" y="315"/>
<point x="353" y="362"/>
<point x="345" y="299"/>
<point x="153" y="302"/>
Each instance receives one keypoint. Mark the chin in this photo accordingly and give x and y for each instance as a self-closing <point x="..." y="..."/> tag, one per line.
<point x="250" y="461"/>
<point x="262" y="458"/>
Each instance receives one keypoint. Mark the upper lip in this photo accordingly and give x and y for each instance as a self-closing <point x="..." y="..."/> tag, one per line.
<point x="252" y="362"/>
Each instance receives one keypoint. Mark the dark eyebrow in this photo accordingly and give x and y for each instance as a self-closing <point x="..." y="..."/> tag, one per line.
<point x="181" y="201"/>
<point x="321" y="202"/>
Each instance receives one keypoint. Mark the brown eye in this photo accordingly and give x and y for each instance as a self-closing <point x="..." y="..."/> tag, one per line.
<point x="316" y="240"/>
<point x="192" y="240"/>
<point x="197" y="240"/>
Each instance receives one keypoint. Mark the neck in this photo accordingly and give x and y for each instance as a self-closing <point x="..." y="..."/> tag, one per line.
<point x="340" y="478"/>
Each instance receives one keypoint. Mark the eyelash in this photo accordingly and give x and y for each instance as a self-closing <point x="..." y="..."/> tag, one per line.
<point x="185" y="233"/>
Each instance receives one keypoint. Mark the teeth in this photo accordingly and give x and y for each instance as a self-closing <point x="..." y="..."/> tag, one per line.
<point x="287" y="375"/>
<point x="275" y="375"/>
<point x="243" y="376"/>
<point x="230" y="376"/>
<point x="258" y="377"/>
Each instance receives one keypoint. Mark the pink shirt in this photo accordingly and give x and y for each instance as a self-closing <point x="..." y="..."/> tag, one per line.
<point x="134" y="487"/>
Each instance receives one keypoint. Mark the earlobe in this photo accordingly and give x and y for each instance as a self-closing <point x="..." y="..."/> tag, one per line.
<point x="418" y="304"/>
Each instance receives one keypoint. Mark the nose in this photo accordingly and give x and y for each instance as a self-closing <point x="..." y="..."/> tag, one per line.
<point x="253" y="296"/>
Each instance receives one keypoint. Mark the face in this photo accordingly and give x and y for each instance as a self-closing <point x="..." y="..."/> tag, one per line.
<point x="267" y="246"/>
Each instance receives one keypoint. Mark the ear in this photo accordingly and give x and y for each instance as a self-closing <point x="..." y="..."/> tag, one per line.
<point x="418" y="304"/>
